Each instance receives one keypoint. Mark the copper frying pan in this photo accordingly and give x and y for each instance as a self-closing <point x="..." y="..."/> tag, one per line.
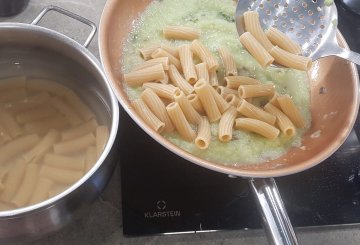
<point x="333" y="113"/>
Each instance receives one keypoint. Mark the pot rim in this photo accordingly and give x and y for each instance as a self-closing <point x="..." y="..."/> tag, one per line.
<point x="8" y="214"/>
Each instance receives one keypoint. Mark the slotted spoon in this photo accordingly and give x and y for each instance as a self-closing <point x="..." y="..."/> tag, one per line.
<point x="311" y="23"/>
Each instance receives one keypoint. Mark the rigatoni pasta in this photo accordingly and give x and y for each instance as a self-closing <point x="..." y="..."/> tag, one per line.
<point x="280" y="39"/>
<point x="229" y="62"/>
<point x="146" y="114"/>
<point x="203" y="137"/>
<point x="257" y="126"/>
<point x="178" y="80"/>
<point x="187" y="63"/>
<point x="203" y="91"/>
<point x="283" y="122"/>
<point x="181" y="32"/>
<point x="252" y="25"/>
<point x="153" y="101"/>
<point x="201" y="51"/>
<point x="290" y="60"/>
<point x="165" y="91"/>
<point x="288" y="107"/>
<point x="226" y="124"/>
<point x="34" y="158"/>
<point x="179" y="120"/>
<point x="137" y="78"/>
<point x="262" y="56"/>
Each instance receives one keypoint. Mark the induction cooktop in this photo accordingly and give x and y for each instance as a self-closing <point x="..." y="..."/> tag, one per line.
<point x="165" y="194"/>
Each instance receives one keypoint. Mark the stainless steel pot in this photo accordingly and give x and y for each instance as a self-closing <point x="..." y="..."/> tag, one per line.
<point x="36" y="51"/>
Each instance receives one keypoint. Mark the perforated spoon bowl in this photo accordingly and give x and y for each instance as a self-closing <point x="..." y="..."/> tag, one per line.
<point x="310" y="23"/>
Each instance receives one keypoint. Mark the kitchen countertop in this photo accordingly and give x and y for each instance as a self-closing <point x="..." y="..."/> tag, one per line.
<point x="103" y="223"/>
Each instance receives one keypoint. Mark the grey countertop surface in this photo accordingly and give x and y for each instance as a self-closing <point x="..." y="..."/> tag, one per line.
<point x="103" y="223"/>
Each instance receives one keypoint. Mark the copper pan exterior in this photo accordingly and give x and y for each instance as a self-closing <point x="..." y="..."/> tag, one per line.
<point x="333" y="112"/>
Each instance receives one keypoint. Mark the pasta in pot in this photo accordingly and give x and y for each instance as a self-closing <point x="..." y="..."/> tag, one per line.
<point x="47" y="145"/>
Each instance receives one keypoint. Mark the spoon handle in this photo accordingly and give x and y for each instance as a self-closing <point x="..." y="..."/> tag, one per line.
<point x="276" y="222"/>
<point x="347" y="55"/>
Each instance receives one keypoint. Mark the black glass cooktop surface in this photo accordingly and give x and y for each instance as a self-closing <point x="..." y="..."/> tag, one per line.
<point x="163" y="193"/>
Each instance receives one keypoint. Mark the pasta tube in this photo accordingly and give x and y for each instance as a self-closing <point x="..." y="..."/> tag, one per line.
<point x="195" y="102"/>
<point x="146" y="52"/>
<point x="256" y="50"/>
<point x="289" y="108"/>
<point x="220" y="101"/>
<point x="13" y="180"/>
<point x="187" y="63"/>
<point x="179" y="81"/>
<point x="84" y="128"/>
<point x="66" y="110"/>
<point x="228" y="61"/>
<point x="179" y="120"/>
<point x="145" y="113"/>
<point x="137" y="78"/>
<point x="43" y="146"/>
<point x="249" y="91"/>
<point x="74" y="145"/>
<point x="12" y="95"/>
<point x="35" y="113"/>
<point x="62" y="176"/>
<point x="57" y="189"/>
<point x="90" y="158"/>
<point x="171" y="50"/>
<point x="226" y="124"/>
<point x="205" y="55"/>
<point x="17" y="146"/>
<point x="249" y="110"/>
<point x="28" y="102"/>
<point x="291" y="60"/>
<point x="42" y="126"/>
<point x="202" y="71"/>
<point x="27" y="186"/>
<point x="12" y="83"/>
<point x="40" y="193"/>
<point x="164" y="61"/>
<point x="165" y="91"/>
<point x="190" y="113"/>
<point x="66" y="162"/>
<point x="9" y="123"/>
<point x="79" y="106"/>
<point x="283" y="41"/>
<point x="224" y="91"/>
<point x="181" y="32"/>
<point x="213" y="79"/>
<point x="203" y="91"/>
<point x="47" y="85"/>
<point x="102" y="137"/>
<point x="232" y="100"/>
<point x="172" y="60"/>
<point x="4" y="136"/>
<point x="252" y="25"/>
<point x="155" y="104"/>
<point x="274" y="100"/>
<point x="282" y="121"/>
<point x="234" y="82"/>
<point x="257" y="126"/>
<point x="203" y="137"/>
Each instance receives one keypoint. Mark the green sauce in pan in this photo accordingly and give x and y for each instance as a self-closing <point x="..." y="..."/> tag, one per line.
<point x="215" y="19"/>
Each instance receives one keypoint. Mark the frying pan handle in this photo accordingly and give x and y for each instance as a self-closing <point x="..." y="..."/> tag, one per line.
<point x="276" y="222"/>
<point x="71" y="15"/>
